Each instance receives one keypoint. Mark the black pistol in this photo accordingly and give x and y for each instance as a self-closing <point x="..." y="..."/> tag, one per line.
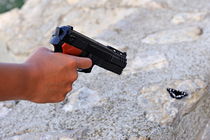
<point x="68" y="41"/>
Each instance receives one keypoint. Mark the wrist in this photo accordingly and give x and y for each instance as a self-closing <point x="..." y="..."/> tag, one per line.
<point x="31" y="82"/>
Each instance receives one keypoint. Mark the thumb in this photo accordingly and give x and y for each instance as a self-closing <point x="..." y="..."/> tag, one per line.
<point x="82" y="62"/>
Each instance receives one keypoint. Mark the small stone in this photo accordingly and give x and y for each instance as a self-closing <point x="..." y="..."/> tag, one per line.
<point x="188" y="17"/>
<point x="186" y="34"/>
<point x="82" y="99"/>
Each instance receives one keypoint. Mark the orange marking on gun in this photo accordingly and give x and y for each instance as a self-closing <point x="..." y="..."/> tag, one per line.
<point x="69" y="49"/>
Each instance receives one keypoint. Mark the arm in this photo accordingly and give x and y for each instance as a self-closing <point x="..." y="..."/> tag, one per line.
<point x="44" y="77"/>
<point x="14" y="82"/>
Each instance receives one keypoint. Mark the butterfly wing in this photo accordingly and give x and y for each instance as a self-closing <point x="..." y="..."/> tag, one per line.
<point x="176" y="93"/>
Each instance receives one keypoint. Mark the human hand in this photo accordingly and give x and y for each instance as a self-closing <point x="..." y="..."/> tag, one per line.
<point x="52" y="75"/>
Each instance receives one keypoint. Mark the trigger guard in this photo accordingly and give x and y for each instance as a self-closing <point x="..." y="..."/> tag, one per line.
<point x="89" y="69"/>
<point x="85" y="70"/>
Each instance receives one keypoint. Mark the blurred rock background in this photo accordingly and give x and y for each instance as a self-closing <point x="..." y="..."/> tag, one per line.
<point x="168" y="46"/>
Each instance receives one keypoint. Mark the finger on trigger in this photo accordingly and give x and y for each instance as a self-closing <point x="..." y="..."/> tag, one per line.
<point x="83" y="63"/>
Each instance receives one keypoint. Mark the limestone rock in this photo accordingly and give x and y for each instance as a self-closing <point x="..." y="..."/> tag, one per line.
<point x="5" y="56"/>
<point x="4" y="110"/>
<point x="144" y="3"/>
<point x="104" y="105"/>
<point x="188" y="17"/>
<point x="72" y="1"/>
<point x="65" y="138"/>
<point x="43" y="136"/>
<point x="189" y="5"/>
<point x="164" y="109"/>
<point x="33" y="29"/>
<point x="139" y="138"/>
<point x="206" y="132"/>
<point x="186" y="34"/>
<point x="6" y="107"/>
<point x="83" y="99"/>
<point x="149" y="61"/>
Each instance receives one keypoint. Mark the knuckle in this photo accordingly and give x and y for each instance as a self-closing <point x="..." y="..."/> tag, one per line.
<point x="73" y="63"/>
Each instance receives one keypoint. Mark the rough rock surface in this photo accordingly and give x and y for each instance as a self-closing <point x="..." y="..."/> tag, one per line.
<point x="174" y="36"/>
<point x="168" y="46"/>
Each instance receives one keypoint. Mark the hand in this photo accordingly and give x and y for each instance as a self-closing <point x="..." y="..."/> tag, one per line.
<point x="52" y="75"/>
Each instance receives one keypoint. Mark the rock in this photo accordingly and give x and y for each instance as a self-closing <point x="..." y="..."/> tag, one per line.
<point x="83" y="99"/>
<point x="139" y="138"/>
<point x="5" y="56"/>
<point x="65" y="138"/>
<point x="104" y="105"/>
<point x="6" y="107"/>
<point x="72" y="1"/>
<point x="144" y="3"/>
<point x="149" y="61"/>
<point x="43" y="136"/>
<point x="206" y="132"/>
<point x="33" y="29"/>
<point x="186" y="34"/>
<point x="4" y="110"/>
<point x="188" y="17"/>
<point x="188" y="5"/>
<point x="162" y="108"/>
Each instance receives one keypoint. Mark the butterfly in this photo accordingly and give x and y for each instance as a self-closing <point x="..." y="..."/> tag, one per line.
<point x="176" y="93"/>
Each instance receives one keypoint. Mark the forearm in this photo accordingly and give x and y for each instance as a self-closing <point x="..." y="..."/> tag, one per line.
<point x="14" y="81"/>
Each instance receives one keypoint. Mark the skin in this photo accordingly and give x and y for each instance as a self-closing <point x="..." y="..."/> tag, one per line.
<point x="46" y="77"/>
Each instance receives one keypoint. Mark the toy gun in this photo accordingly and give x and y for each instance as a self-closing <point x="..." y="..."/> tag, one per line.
<point x="68" y="41"/>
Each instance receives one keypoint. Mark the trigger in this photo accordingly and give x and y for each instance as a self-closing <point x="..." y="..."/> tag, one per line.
<point x="68" y="49"/>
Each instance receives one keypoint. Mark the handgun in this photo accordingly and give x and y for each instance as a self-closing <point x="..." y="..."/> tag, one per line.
<point x="68" y="41"/>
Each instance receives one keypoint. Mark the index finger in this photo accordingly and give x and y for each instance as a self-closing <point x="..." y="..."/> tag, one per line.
<point x="82" y="62"/>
